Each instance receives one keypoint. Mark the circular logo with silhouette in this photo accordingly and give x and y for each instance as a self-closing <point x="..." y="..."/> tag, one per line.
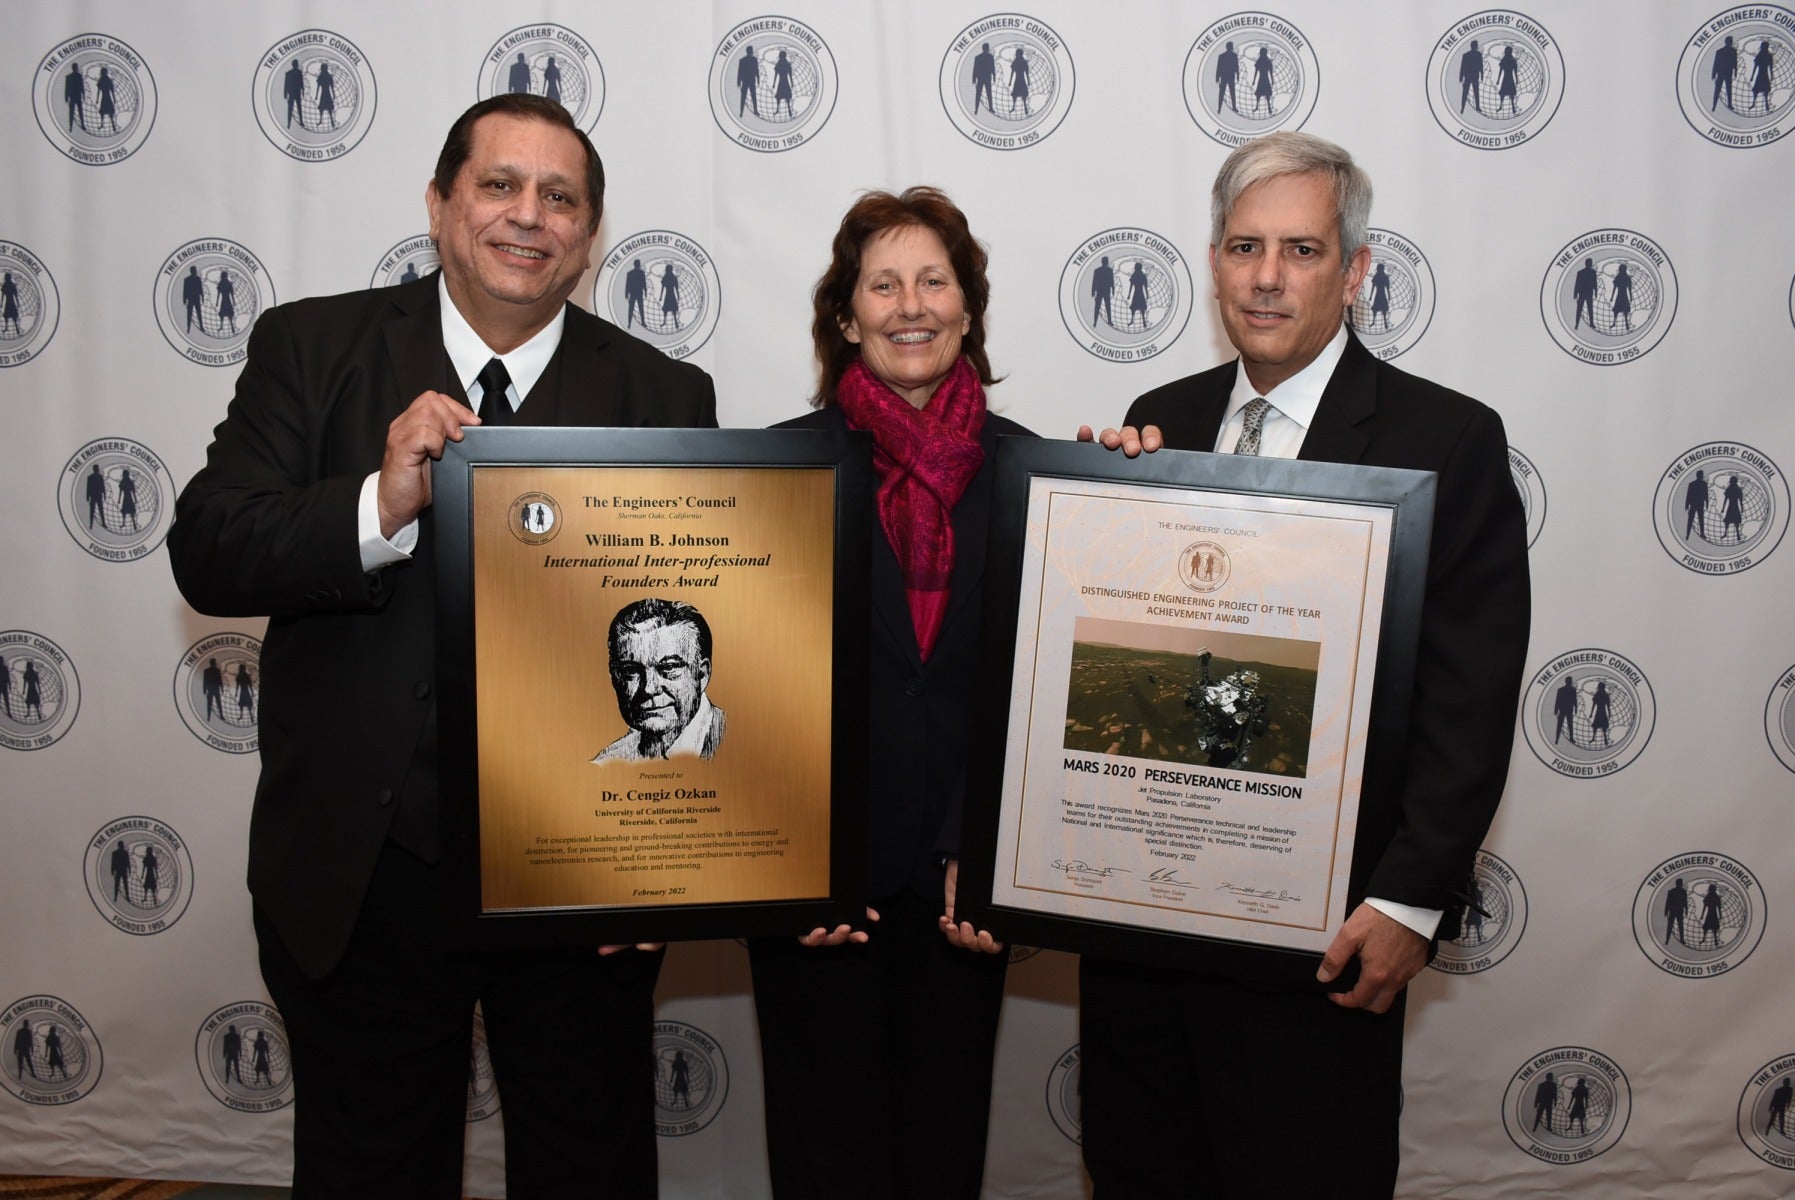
<point x="30" y="306"/>
<point x="1736" y="76"/>
<point x="662" y="287"/>
<point x="1250" y="73"/>
<point x="217" y="687"/>
<point x="1204" y="566"/>
<point x="550" y="61"/>
<point x="51" y="1055"/>
<point x="1567" y="1105"/>
<point x="482" y="1084"/>
<point x="1395" y="303"/>
<point x="1779" y="719"/>
<point x="1609" y="296"/>
<point x="1588" y="713"/>
<point x="139" y="874"/>
<point x="40" y="693"/>
<point x="1698" y="915"/>
<point x="1007" y="81"/>
<point x="1721" y="508"/>
<point x="95" y="99"/>
<point x="1492" y="923"/>
<point x="407" y="262"/>
<point x="208" y="294"/>
<point x="241" y="1050"/>
<point x="534" y="518"/>
<point x="117" y="499"/>
<point x="1765" y="1123"/>
<point x="314" y="95"/>
<point x="1064" y="1097"/>
<point x="1495" y="79"/>
<point x="1125" y="294"/>
<point x="1532" y="487"/>
<point x="691" y="1078"/>
<point x="772" y="84"/>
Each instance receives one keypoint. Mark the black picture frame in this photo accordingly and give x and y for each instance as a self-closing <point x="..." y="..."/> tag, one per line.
<point x="1019" y="464"/>
<point x="847" y="457"/>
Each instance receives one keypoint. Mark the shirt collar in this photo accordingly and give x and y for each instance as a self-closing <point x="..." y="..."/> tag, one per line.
<point x="1298" y="397"/>
<point x="691" y="738"/>
<point x="469" y="354"/>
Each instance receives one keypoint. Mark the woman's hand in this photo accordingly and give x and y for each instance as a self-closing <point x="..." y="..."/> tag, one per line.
<point x="841" y="933"/>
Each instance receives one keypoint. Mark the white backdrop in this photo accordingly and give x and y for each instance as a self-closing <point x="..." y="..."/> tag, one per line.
<point x="1613" y="145"/>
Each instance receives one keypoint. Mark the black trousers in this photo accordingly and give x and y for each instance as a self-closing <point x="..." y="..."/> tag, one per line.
<point x="380" y="1055"/>
<point x="877" y="1060"/>
<point x="1212" y="1089"/>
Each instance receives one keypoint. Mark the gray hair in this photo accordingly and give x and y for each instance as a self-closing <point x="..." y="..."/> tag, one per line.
<point x="1289" y="153"/>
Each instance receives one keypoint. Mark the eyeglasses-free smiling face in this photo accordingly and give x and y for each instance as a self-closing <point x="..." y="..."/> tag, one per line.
<point x="1281" y="281"/>
<point x="514" y="233"/>
<point x="908" y="311"/>
<point x="659" y="676"/>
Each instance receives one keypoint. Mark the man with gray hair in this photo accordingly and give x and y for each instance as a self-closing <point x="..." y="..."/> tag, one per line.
<point x="1251" y="1069"/>
<point x="660" y="654"/>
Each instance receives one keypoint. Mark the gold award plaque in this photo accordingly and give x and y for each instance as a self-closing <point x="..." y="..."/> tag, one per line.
<point x="578" y="809"/>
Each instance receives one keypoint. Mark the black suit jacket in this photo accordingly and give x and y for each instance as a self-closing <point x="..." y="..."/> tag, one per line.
<point x="348" y="665"/>
<point x="920" y="711"/>
<point x="1427" y="803"/>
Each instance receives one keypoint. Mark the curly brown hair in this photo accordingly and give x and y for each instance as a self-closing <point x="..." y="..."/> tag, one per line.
<point x="832" y="302"/>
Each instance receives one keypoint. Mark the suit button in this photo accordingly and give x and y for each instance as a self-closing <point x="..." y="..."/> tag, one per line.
<point x="913" y="688"/>
<point x="384" y="796"/>
<point x="420" y="690"/>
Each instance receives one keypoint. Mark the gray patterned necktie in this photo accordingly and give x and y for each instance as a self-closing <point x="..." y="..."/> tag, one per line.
<point x="1252" y="422"/>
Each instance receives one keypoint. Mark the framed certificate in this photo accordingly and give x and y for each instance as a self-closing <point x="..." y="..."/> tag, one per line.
<point x="1181" y="658"/>
<point x="652" y="692"/>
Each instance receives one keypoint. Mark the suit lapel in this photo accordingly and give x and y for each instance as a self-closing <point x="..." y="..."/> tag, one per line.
<point x="591" y="388"/>
<point x="414" y="345"/>
<point x="972" y="527"/>
<point x="1348" y="403"/>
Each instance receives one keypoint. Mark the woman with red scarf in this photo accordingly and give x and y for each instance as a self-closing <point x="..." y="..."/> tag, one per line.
<point x="877" y="1041"/>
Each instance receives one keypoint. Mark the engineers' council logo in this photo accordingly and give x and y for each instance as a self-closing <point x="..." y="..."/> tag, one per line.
<point x="1779" y="719"/>
<point x="551" y="61"/>
<point x="1204" y="566"/>
<point x="217" y="686"/>
<point x="314" y="95"/>
<point x="1395" y="304"/>
<point x="1721" y="508"/>
<point x="1125" y="294"/>
<point x="1532" y="487"/>
<point x="1064" y="1096"/>
<point x="663" y="287"/>
<point x="95" y="99"/>
<point x="241" y="1051"/>
<point x="1492" y="924"/>
<point x="1007" y="81"/>
<point x="1494" y="79"/>
<point x="1248" y="74"/>
<point x="1766" y="1124"/>
<point x="1609" y="296"/>
<point x="407" y="262"/>
<point x="772" y="84"/>
<point x="51" y="1056"/>
<point x="1698" y="915"/>
<point x="208" y="294"/>
<point x="534" y="518"/>
<point x="139" y="874"/>
<point x="1567" y="1105"/>
<point x="30" y="306"/>
<point x="1736" y="77"/>
<point x="116" y="498"/>
<point x="1588" y="713"/>
<point x="39" y="691"/>
<point x="482" y="1084"/>
<point x="691" y="1078"/>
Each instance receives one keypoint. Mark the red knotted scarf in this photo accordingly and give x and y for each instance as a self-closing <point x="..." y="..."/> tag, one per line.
<point x="925" y="459"/>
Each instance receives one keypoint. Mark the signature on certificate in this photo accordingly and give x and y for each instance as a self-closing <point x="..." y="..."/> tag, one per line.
<point x="1079" y="866"/>
<point x="1164" y="875"/>
<point x="1235" y="889"/>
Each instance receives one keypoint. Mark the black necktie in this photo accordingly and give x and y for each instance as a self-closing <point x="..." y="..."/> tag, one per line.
<point x="495" y="407"/>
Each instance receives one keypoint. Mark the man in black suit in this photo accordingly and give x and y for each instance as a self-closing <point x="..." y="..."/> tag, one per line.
<point x="314" y="507"/>
<point x="1203" y="1086"/>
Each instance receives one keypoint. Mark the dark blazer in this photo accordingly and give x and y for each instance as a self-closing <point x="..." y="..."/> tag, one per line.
<point x="268" y="525"/>
<point x="1428" y="803"/>
<point x="921" y="712"/>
